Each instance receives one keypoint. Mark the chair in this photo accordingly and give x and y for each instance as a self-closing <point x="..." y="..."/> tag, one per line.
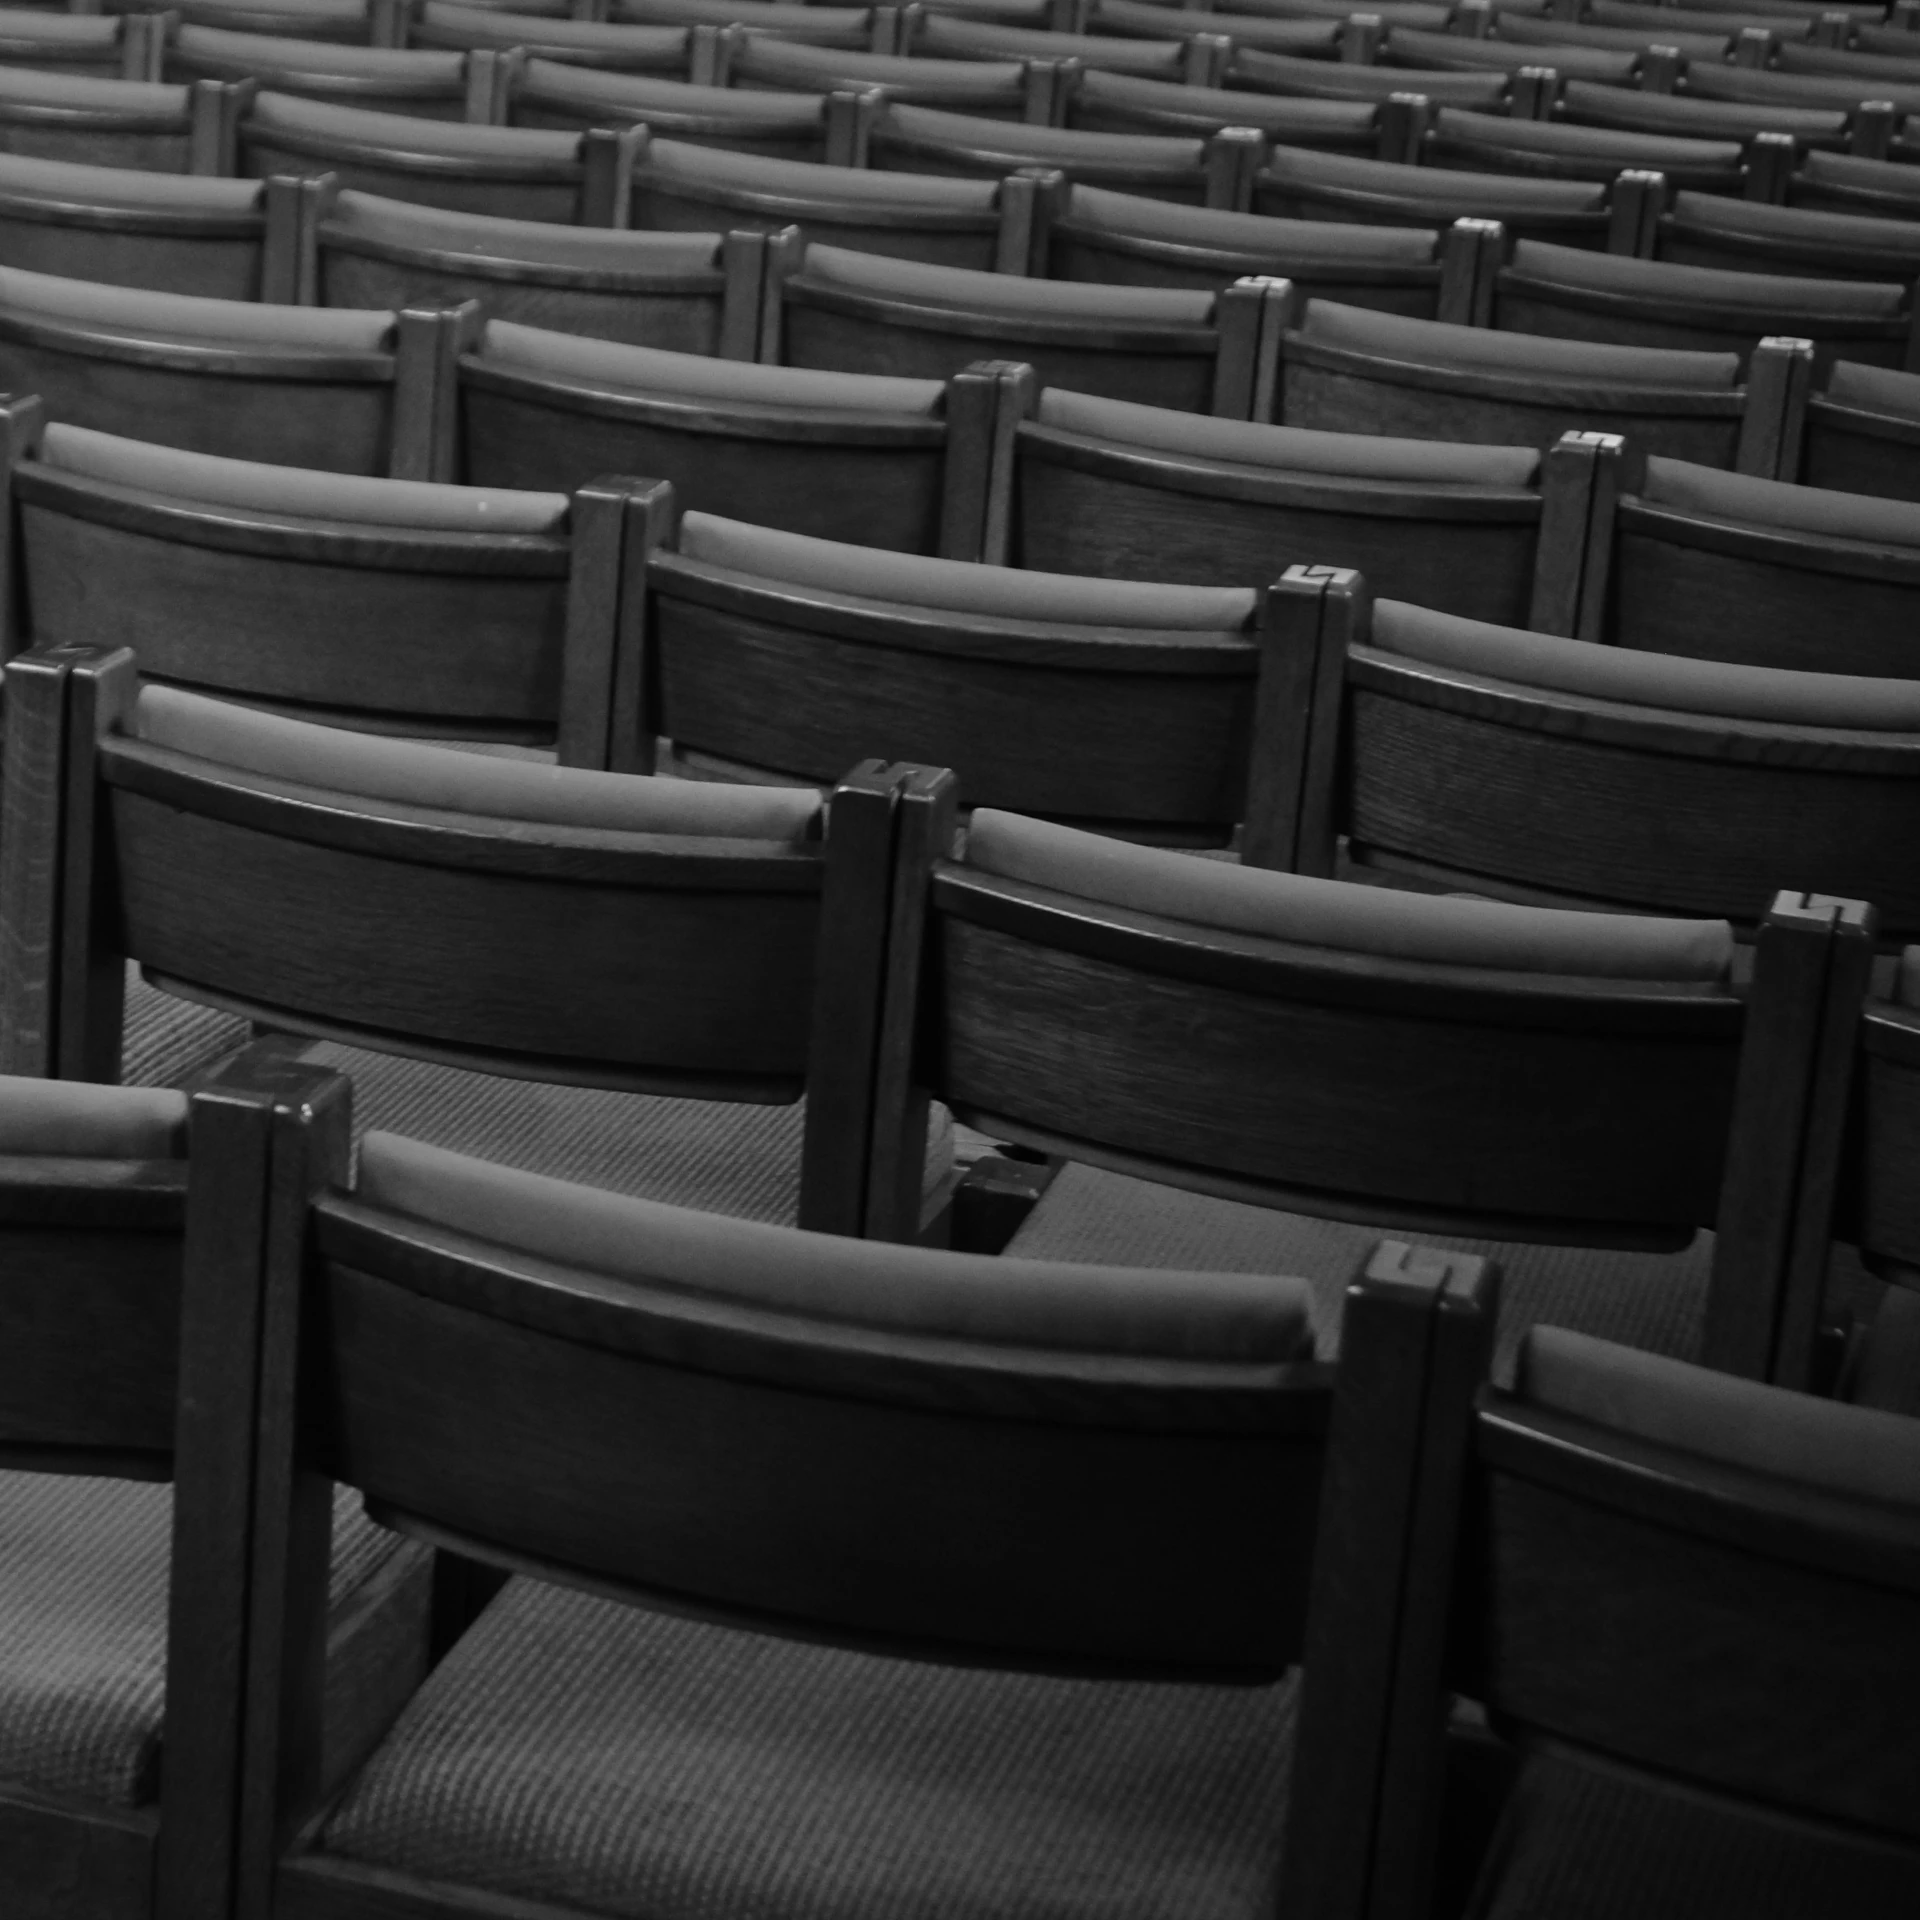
<point x="431" y="84"/>
<point x="349" y="391"/>
<point x="125" y="1599"/>
<point x="1350" y="370"/>
<point x="117" y="123"/>
<point x="730" y="1723"/>
<point x="1602" y="775"/>
<point x="129" y="47"/>
<point x="1003" y="89"/>
<point x="1123" y="103"/>
<point x="1733" y="566"/>
<point x="689" y="292"/>
<point x="1634" y="1544"/>
<point x="370" y="23"/>
<point x="510" y="173"/>
<point x="1256" y="71"/>
<point x="1311" y="39"/>
<point x="1487" y="143"/>
<point x="416" y="908"/>
<point x="984" y="224"/>
<point x="1462" y="53"/>
<point x="1526" y="29"/>
<point x="1709" y="230"/>
<point x="678" y="53"/>
<point x="1859" y="433"/>
<point x="172" y="232"/>
<point x="1211" y="172"/>
<point x="1120" y="491"/>
<point x="1695" y="117"/>
<point x="1872" y="107"/>
<point x="387" y="605"/>
<point x="1237" y="1062"/>
<point x="871" y="28"/>
<point x="1192" y="61"/>
<point x="1852" y="185"/>
<point x="1167" y="346"/>
<point x="887" y="462"/>
<point x="1569" y="293"/>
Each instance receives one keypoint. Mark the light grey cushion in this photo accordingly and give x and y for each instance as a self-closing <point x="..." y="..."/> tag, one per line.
<point x="83" y="1628"/>
<point x="1630" y="149"/>
<point x="418" y="504"/>
<point x="268" y="54"/>
<point x="404" y="773"/>
<point x="677" y="164"/>
<point x="1651" y="1300"/>
<point x="74" y="183"/>
<point x="1439" y="192"/>
<point x="403" y="133"/>
<point x="1684" y="286"/>
<point x="1818" y="169"/>
<point x="989" y="40"/>
<point x="1410" y="47"/>
<point x="1762" y="221"/>
<point x="62" y="33"/>
<point x="1279" y="115"/>
<point x="763" y="58"/>
<point x="1063" y="145"/>
<point x="78" y="1119"/>
<point x="1285" y="73"/>
<point x="634" y="1765"/>
<point x="1859" y="1451"/>
<point x="1012" y="294"/>
<point x="1370" y="456"/>
<point x="1690" y="114"/>
<point x="838" y="21"/>
<point x="1439" y="343"/>
<point x="1878" y="389"/>
<point x="1431" y="928"/>
<point x="1819" y="511"/>
<point x="1662" y="680"/>
<point x="487" y="27"/>
<point x="637" y="96"/>
<point x="1254" y="233"/>
<point x="143" y="97"/>
<point x="961" y="586"/>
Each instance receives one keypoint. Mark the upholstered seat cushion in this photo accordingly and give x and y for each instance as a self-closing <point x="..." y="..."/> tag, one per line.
<point x="1761" y="221"/>
<point x="988" y="40"/>
<point x="72" y="183"/>
<point x="143" y="97"/>
<point x="402" y="223"/>
<point x="1877" y="389"/>
<point x="1817" y="511"/>
<point x="573" y="358"/>
<point x="634" y="1765"/>
<point x="1493" y="196"/>
<point x="675" y="165"/>
<point x="419" y="504"/>
<point x="1015" y="295"/>
<point x="1410" y="47"/>
<point x="445" y="24"/>
<point x="214" y="49"/>
<point x="1845" y="92"/>
<point x="765" y="58"/>
<point x="1042" y="145"/>
<point x="1818" y="169"/>
<point x="837" y="22"/>
<point x="1439" y="343"/>
<point x="1431" y="929"/>
<point x="1601" y="143"/>
<point x="1273" y="113"/>
<point x="1690" y="114"/>
<point x="1766" y="294"/>
<point x="326" y="124"/>
<point x="1252" y="233"/>
<point x="1369" y="456"/>
<point x="62" y="33"/>
<point x="78" y="1119"/>
<point x="636" y="96"/>
<point x="960" y="586"/>
<point x="1668" y="681"/>
<point x="83" y="1628"/>
<point x="1285" y="73"/>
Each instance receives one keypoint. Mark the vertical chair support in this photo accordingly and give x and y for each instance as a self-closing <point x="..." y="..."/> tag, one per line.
<point x="31" y="845"/>
<point x="1638" y="199"/>
<point x="1401" y="127"/>
<point x="1472" y="252"/>
<point x="1871" y="128"/>
<point x="1233" y="159"/>
<point x="1027" y="203"/>
<point x="215" y="109"/>
<point x="1661" y="68"/>
<point x="1205" y="62"/>
<point x="629" y="694"/>
<point x="426" y="398"/>
<point x="1532" y="93"/>
<point x="607" y="160"/>
<point x="22" y="422"/>
<point x="1779" y="382"/>
<point x="985" y="404"/>
<point x="283" y="249"/>
<point x="1252" y="317"/>
<point x="1770" y="161"/>
<point x="1579" y="483"/>
<point x="851" y="116"/>
<point x="143" y="44"/>
<point x="743" y="262"/>
<point x="1361" y="38"/>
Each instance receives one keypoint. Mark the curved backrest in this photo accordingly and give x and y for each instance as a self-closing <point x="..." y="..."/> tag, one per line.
<point x="1702" y="229"/>
<point x="1699" y="118"/>
<point x="1264" y="72"/>
<point x="1001" y="87"/>
<point x="418" y="81"/>
<point x="1563" y="150"/>
<point x="587" y="43"/>
<point x="1126" y="103"/>
<point x="115" y="123"/>
<point x="1861" y="431"/>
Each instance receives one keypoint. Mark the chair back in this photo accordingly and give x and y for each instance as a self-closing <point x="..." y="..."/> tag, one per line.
<point x="1561" y="150"/>
<point x="1713" y="230"/>
<point x="680" y="53"/>
<point x="1000" y="89"/>
<point x="424" y="81"/>
<point x="1102" y="102"/>
<point x="1861" y="430"/>
<point x="119" y="123"/>
<point x="100" y="46"/>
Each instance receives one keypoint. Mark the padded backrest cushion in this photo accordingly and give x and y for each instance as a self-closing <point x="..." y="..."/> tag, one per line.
<point x="1562" y="137"/>
<point x="546" y="243"/>
<point x="1877" y="389"/>
<point x="299" y="490"/>
<point x="1766" y="295"/>
<point x="1492" y="195"/>
<point x="1818" y="169"/>
<point x="1379" y="921"/>
<point x="1816" y="511"/>
<point x="759" y="58"/>
<point x="1280" y="241"/>
<point x="142" y="97"/>
<point x="1906" y="985"/>
<point x="608" y="363"/>
<point x="1284" y="116"/>
<point x="1730" y="691"/>
<point x="1438" y="343"/>
<point x="75" y="184"/>
<point x="75" y="1119"/>
<point x="236" y="323"/>
<point x="1843" y="1449"/>
<point x="1360" y="456"/>
<point x="1761" y="221"/>
<point x="677" y="165"/>
<point x="1056" y="145"/>
<point x="405" y="773"/>
<point x="980" y="1299"/>
<point x="638" y="96"/>
<point x="486" y="27"/>
<point x="1009" y="293"/>
<point x="403" y="133"/>
<point x="266" y="53"/>
<point x="960" y="586"/>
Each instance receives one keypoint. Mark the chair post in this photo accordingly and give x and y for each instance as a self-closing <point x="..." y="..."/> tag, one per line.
<point x="849" y="972"/>
<point x="596" y="621"/>
<point x="786" y="252"/>
<point x="426" y="396"/>
<point x="743" y="265"/>
<point x="884" y="31"/>
<point x="705" y="56"/>
<point x="1039" y="88"/>
<point x="897" y="1116"/>
<point x="1024" y="203"/>
<point x="1786" y="1015"/>
<point x="1252" y="317"/>
<point x="650" y="518"/>
<point x="851" y="117"/>
<point x="985" y="405"/>
<point x="1773" y="422"/>
<point x="31" y="858"/>
<point x="1770" y="162"/>
<point x="1360" y="39"/>
<point x="1579" y="485"/>
<point x="1472" y="20"/>
<point x="1871" y="128"/>
<point x="1308" y="619"/>
<point x="214" y="112"/>
<point x="1472" y="252"/>
<point x="1356" y="1599"/>
<point x="1204" y="64"/>
<point x="1661" y="68"/>
<point x="1753" y="47"/>
<point x="1232" y="162"/>
<point x="607" y="159"/>
<point x="22" y="423"/>
<point x="143" y="44"/>
<point x="287" y="268"/>
<point x="1532" y="93"/>
<point x="389" y="23"/>
<point x="1401" y="127"/>
<point x="1638" y="199"/>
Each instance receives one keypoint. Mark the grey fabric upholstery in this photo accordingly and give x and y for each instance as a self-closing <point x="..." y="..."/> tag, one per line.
<point x="1817" y="511"/>
<point x="1878" y="389"/>
<point x="81" y="1120"/>
<point x="1686" y="286"/>
<point x="288" y="113"/>
<point x="1651" y="1301"/>
<point x="1010" y="295"/>
<point x="630" y="1764"/>
<point x="83" y="1628"/>
<point x="533" y="242"/>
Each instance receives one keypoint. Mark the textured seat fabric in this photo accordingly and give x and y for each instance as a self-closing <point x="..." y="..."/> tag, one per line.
<point x="1652" y="1301"/>
<point x="631" y="1764"/>
<point x="1591" y="1842"/>
<point x="83" y="1628"/>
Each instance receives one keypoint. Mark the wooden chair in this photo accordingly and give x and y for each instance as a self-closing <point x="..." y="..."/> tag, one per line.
<point x="386" y="605"/>
<point x="1602" y="775"/>
<point x="1569" y="293"/>
<point x="676" y="53"/>
<point x="983" y="224"/>
<point x="1180" y="1494"/>
<point x="427" y="83"/>
<point x="1488" y="143"/>
<point x="1001" y="89"/>
<point x="1860" y="432"/>
<point x="874" y="28"/>
<point x="1477" y="18"/>
<point x="1310" y="1058"/>
<point x="174" y="233"/>
<point x="1192" y="61"/>
<point x="118" y="123"/>
<point x="350" y="391"/>
<point x="125" y="1601"/>
<point x="884" y="461"/>
<point x="1167" y="346"/>
<point x="1120" y="491"/>
<point x="128" y="47"/>
<point x="1310" y="39"/>
<point x="1633" y="1543"/>
<point x="1462" y="53"/>
<point x="511" y="173"/>
<point x="1256" y="71"/>
<point x="367" y="23"/>
<point x="1873" y="108"/>
<point x="1353" y="371"/>
<point x="1848" y="184"/>
<point x="1711" y="231"/>
<point x="1102" y="102"/>
<point x="1732" y="566"/>
<point x="690" y="293"/>
<point x="415" y="907"/>
<point x="1694" y="117"/>
<point x="1212" y="172"/>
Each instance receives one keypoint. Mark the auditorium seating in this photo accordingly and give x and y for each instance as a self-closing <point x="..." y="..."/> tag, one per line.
<point x="1124" y="103"/>
<point x="424" y="82"/>
<point x="348" y="390"/>
<point x="1862" y="433"/>
<point x="724" y="1720"/>
<point x="1261" y="72"/>
<point x="885" y="461"/>
<point x="126" y="1522"/>
<point x="118" y="123"/>
<point x="1010" y="89"/>
<point x="127" y="47"/>
<point x="681" y="53"/>
<point x="1486" y="143"/>
<point x="1708" y="230"/>
<point x="1851" y="185"/>
<point x="1697" y="118"/>
<point x="828" y="26"/>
